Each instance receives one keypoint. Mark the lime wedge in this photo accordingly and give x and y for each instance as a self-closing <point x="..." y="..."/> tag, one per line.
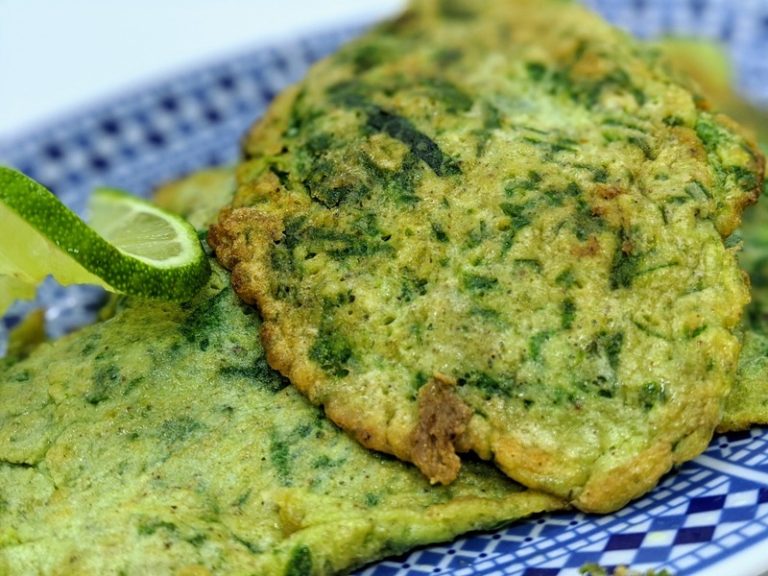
<point x="12" y="289"/>
<point x="131" y="246"/>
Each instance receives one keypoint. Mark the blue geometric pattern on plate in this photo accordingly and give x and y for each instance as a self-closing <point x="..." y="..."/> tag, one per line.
<point x="710" y="511"/>
<point x="703" y="513"/>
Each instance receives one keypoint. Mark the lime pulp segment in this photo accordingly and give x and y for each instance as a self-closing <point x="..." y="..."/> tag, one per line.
<point x="131" y="247"/>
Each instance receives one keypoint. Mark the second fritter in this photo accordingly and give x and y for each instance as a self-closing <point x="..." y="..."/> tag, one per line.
<point x="497" y="228"/>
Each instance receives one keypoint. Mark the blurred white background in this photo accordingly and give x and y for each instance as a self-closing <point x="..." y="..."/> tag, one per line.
<point x="58" y="56"/>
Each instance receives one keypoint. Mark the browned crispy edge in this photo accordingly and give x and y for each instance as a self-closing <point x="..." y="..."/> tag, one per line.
<point x="434" y="441"/>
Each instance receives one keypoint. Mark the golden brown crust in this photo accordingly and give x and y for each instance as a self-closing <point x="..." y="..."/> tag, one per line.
<point x="757" y="167"/>
<point x="443" y="418"/>
<point x="609" y="490"/>
<point x="233" y="236"/>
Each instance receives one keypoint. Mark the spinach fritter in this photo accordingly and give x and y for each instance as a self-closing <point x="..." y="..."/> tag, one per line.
<point x="160" y="442"/>
<point x="747" y="403"/>
<point x="497" y="227"/>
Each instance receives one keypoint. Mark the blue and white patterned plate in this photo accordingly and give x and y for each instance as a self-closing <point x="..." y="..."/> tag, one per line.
<point x="708" y="518"/>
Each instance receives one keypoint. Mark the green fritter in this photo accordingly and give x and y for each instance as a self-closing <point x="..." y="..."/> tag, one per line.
<point x="708" y="65"/>
<point x="747" y="402"/>
<point x="198" y="196"/>
<point x="496" y="227"/>
<point x="160" y="442"/>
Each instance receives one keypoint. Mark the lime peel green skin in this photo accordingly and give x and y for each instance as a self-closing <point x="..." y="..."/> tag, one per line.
<point x="120" y="272"/>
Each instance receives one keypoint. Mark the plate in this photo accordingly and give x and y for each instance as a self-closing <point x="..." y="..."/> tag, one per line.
<point x="708" y="518"/>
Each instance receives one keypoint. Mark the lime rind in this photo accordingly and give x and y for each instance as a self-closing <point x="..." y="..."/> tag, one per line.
<point x="29" y="256"/>
<point x="97" y="260"/>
